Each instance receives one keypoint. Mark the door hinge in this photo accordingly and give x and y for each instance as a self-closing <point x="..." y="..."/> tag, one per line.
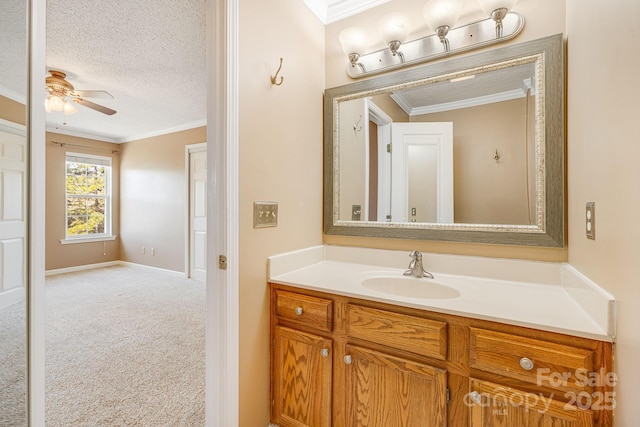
<point x="448" y="396"/>
<point x="388" y="148"/>
<point x="222" y="262"/>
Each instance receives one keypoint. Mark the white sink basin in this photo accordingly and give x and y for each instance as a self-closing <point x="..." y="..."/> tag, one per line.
<point x="410" y="287"/>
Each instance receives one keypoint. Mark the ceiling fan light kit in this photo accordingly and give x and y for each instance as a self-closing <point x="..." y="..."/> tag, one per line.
<point x="61" y="93"/>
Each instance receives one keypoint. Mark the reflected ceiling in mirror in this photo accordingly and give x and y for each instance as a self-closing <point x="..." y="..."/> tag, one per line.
<point x="503" y="180"/>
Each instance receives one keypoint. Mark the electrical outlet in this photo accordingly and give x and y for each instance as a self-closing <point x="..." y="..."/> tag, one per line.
<point x="143" y="251"/>
<point x="265" y="214"/>
<point x="590" y="220"/>
<point x="356" y="212"/>
<point x="153" y="251"/>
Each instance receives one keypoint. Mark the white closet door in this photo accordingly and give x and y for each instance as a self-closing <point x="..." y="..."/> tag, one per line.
<point x="198" y="214"/>
<point x="425" y="184"/>
<point x="13" y="188"/>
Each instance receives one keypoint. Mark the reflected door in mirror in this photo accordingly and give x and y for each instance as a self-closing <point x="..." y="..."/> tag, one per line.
<point x="422" y="172"/>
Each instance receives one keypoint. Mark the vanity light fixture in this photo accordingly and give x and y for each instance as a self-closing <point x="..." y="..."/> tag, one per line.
<point x="441" y="15"/>
<point x="395" y="31"/>
<point x="497" y="10"/>
<point x="354" y="41"/>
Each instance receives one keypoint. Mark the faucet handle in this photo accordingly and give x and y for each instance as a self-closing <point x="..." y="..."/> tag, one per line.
<point x="416" y="255"/>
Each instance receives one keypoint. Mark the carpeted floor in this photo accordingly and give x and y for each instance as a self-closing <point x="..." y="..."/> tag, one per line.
<point x="124" y="347"/>
<point x="13" y="409"/>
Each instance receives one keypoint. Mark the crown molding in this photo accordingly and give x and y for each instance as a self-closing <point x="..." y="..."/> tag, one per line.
<point x="329" y="11"/>
<point x="455" y="105"/>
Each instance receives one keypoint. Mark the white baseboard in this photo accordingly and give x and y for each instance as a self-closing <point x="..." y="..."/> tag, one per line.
<point x="12" y="296"/>
<point x="80" y="268"/>
<point x="148" y="267"/>
<point x="109" y="264"/>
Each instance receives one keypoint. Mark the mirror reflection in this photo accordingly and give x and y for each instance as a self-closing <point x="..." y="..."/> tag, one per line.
<point x="459" y="148"/>
<point x="13" y="223"/>
<point x="502" y="178"/>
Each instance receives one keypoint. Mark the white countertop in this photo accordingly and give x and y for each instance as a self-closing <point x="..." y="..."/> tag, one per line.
<point x="575" y="307"/>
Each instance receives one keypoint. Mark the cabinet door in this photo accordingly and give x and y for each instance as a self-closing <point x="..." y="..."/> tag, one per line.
<point x="388" y="391"/>
<point x="493" y="405"/>
<point x="302" y="379"/>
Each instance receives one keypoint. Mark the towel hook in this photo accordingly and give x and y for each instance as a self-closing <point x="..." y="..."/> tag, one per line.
<point x="358" y="127"/>
<point x="496" y="156"/>
<point x="274" y="79"/>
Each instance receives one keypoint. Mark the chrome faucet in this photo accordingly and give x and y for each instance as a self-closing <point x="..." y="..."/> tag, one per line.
<point x="415" y="266"/>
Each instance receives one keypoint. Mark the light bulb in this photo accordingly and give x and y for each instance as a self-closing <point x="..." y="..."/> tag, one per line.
<point x="442" y="13"/>
<point x="68" y="108"/>
<point x="353" y="40"/>
<point x="394" y="27"/>
<point x="55" y="103"/>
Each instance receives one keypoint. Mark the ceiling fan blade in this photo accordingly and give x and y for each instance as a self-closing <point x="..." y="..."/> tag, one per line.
<point x="94" y="106"/>
<point x="92" y="94"/>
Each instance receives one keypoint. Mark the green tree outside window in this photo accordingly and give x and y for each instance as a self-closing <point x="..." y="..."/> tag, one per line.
<point x="86" y="192"/>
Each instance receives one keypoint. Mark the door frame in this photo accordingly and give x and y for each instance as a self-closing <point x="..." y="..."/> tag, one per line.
<point x="222" y="327"/>
<point x="188" y="150"/>
<point x="36" y="136"/>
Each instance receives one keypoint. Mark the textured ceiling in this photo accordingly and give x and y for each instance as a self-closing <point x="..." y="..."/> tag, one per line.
<point x="149" y="54"/>
<point x="13" y="52"/>
<point x="494" y="86"/>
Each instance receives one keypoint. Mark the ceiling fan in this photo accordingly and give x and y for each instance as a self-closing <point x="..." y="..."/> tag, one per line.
<point x="60" y="91"/>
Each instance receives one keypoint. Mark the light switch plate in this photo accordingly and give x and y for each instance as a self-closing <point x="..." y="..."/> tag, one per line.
<point x="590" y="220"/>
<point x="265" y="214"/>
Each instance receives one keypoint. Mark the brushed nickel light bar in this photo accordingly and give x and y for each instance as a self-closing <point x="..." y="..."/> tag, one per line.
<point x="441" y="16"/>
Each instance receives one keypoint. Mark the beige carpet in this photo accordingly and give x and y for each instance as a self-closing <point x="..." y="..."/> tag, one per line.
<point x="13" y="409"/>
<point x="124" y="347"/>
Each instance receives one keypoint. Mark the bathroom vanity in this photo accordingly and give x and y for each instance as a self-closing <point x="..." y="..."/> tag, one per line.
<point x="358" y="354"/>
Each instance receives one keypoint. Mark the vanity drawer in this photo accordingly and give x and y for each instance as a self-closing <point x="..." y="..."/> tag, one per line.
<point x="414" y="334"/>
<point x="308" y="310"/>
<point x="530" y="360"/>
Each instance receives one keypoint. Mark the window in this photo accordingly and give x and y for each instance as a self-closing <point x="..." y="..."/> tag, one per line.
<point x="88" y="196"/>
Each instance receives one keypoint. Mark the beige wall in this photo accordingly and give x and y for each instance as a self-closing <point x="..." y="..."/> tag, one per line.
<point x="486" y="191"/>
<point x="353" y="158"/>
<point x="13" y="111"/>
<point x="603" y="153"/>
<point x="58" y="255"/>
<point x="543" y="18"/>
<point x="281" y="161"/>
<point x="153" y="199"/>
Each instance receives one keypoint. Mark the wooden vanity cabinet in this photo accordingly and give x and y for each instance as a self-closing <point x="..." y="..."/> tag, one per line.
<point x="340" y="361"/>
<point x="498" y="405"/>
<point x="302" y="378"/>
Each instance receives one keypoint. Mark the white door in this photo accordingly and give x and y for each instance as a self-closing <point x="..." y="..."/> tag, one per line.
<point x="198" y="213"/>
<point x="13" y="167"/>
<point x="422" y="172"/>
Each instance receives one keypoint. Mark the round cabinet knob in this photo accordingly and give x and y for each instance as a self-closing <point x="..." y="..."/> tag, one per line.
<point x="324" y="352"/>
<point x="526" y="363"/>
<point x="475" y="397"/>
<point x="347" y="359"/>
<point x="299" y="311"/>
